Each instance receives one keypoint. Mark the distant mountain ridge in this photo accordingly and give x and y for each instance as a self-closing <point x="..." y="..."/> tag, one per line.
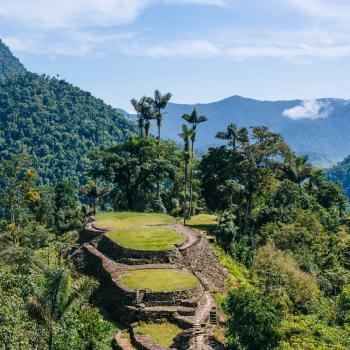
<point x="325" y="138"/>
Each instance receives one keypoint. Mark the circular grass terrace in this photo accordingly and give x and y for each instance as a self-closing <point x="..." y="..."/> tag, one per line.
<point x="151" y="238"/>
<point x="127" y="219"/>
<point x="159" y="280"/>
<point x="160" y="333"/>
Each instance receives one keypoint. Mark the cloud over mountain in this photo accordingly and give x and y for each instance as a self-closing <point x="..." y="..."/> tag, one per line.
<point x="310" y="109"/>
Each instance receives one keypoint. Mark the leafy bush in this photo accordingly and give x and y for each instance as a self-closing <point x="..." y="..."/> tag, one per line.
<point x="253" y="323"/>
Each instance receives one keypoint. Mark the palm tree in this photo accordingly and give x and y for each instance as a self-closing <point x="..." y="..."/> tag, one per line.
<point x="93" y="191"/>
<point x="186" y="136"/>
<point x="59" y="295"/>
<point x="194" y="119"/>
<point x="234" y="135"/>
<point x="160" y="102"/>
<point x="295" y="168"/>
<point x="145" y="112"/>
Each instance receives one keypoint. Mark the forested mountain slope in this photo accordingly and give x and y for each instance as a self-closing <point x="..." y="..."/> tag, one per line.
<point x="57" y="123"/>
<point x="341" y="173"/>
<point x="9" y="64"/>
<point x="321" y="133"/>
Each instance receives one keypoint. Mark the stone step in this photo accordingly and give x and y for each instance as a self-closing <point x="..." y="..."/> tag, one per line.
<point x="189" y="302"/>
<point x="181" y="310"/>
<point x="185" y="321"/>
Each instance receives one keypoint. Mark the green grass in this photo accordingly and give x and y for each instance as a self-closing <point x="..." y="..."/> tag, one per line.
<point x="161" y="333"/>
<point x="239" y="274"/>
<point x="159" y="280"/>
<point x="203" y="222"/>
<point x="147" y="238"/>
<point x="121" y="220"/>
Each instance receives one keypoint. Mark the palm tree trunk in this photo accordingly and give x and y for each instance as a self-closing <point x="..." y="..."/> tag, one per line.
<point x="185" y="199"/>
<point x="191" y="181"/>
<point x="158" y="178"/>
<point x="94" y="204"/>
<point x="50" y="344"/>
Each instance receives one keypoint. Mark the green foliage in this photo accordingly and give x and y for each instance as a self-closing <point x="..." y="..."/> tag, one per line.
<point x="310" y="333"/>
<point x="279" y="275"/>
<point x="253" y="323"/>
<point x="57" y="124"/>
<point x="133" y="168"/>
<point x="341" y="173"/>
<point x="9" y="65"/>
<point x="67" y="214"/>
<point x="83" y="328"/>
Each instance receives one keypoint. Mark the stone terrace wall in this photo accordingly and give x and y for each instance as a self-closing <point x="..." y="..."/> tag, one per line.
<point x="204" y="263"/>
<point x="116" y="252"/>
<point x="116" y="297"/>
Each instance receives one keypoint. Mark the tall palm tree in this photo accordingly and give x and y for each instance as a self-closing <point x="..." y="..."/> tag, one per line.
<point x="160" y="102"/>
<point x="145" y="113"/>
<point x="93" y="191"/>
<point x="234" y="135"/>
<point x="59" y="295"/>
<point x="193" y="119"/>
<point x="186" y="136"/>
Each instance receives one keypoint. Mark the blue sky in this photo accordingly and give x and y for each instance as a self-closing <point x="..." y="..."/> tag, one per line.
<point x="200" y="50"/>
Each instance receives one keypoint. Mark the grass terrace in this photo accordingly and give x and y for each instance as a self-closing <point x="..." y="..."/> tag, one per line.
<point x="159" y="280"/>
<point x="161" y="333"/>
<point x="152" y="238"/>
<point x="123" y="220"/>
<point x="203" y="222"/>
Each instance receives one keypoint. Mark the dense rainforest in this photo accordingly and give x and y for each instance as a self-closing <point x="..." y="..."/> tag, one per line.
<point x="280" y="228"/>
<point x="341" y="173"/>
<point x="57" y="124"/>
<point x="9" y="64"/>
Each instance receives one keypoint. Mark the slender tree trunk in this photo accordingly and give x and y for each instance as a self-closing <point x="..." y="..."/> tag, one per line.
<point x="50" y="344"/>
<point x="158" y="177"/>
<point x="94" y="204"/>
<point x="159" y="126"/>
<point x="191" y="180"/>
<point x="185" y="199"/>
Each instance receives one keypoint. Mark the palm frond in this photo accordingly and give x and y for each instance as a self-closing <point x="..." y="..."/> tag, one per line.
<point x="223" y="135"/>
<point x="82" y="289"/>
<point x="39" y="312"/>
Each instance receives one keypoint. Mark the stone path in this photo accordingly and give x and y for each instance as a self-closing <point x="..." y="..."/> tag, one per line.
<point x="193" y="236"/>
<point x="123" y="341"/>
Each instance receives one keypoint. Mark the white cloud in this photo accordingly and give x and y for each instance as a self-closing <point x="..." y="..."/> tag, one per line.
<point x="76" y="27"/>
<point x="310" y="109"/>
<point x="337" y="9"/>
<point x="187" y="48"/>
<point x="67" y="43"/>
<point x="49" y="14"/>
